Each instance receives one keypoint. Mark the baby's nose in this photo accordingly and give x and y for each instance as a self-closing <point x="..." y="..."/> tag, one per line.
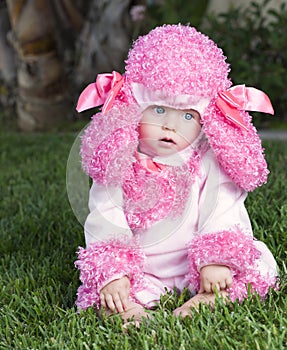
<point x="169" y="122"/>
<point x="168" y="128"/>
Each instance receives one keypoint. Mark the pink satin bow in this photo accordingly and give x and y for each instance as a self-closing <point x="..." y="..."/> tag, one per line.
<point x="149" y="164"/>
<point x="102" y="92"/>
<point x="241" y="98"/>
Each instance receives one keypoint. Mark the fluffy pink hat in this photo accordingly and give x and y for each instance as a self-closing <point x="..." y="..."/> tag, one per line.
<point x="175" y="66"/>
<point x="178" y="60"/>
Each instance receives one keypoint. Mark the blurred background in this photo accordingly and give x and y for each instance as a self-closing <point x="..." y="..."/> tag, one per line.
<point x="51" y="49"/>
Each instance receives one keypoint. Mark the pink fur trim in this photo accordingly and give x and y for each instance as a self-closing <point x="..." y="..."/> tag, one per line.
<point x="151" y="196"/>
<point x="258" y="283"/>
<point x="235" y="250"/>
<point x="103" y="260"/>
<point x="239" y="152"/>
<point x="109" y="144"/>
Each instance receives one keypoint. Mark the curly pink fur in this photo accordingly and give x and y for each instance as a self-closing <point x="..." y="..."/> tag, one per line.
<point x="150" y="197"/>
<point x="109" y="144"/>
<point x="103" y="260"/>
<point x="236" y="250"/>
<point x="177" y="59"/>
<point x="239" y="152"/>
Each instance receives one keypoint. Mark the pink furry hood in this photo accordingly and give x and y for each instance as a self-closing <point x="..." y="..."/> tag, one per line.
<point x="177" y="66"/>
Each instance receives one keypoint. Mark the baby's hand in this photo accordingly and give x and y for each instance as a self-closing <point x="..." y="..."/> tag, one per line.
<point x="115" y="295"/>
<point x="214" y="277"/>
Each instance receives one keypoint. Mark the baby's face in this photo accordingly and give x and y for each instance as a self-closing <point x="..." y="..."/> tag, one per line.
<point x="164" y="131"/>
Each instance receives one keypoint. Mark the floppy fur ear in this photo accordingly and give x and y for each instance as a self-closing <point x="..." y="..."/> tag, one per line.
<point x="238" y="151"/>
<point x="109" y="144"/>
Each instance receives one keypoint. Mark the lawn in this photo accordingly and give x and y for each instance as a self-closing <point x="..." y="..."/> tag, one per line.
<point x="38" y="281"/>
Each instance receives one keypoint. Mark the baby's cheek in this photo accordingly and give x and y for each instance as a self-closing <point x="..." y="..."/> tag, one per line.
<point x="144" y="131"/>
<point x="148" y="131"/>
<point x="193" y="132"/>
<point x="183" y="144"/>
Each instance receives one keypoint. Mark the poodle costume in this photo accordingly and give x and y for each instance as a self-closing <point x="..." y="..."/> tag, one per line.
<point x="159" y="221"/>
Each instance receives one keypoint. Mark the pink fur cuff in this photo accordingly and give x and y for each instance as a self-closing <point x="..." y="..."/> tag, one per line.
<point x="101" y="261"/>
<point x="235" y="250"/>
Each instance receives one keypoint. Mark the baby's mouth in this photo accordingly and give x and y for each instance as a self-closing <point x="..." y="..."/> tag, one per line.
<point x="167" y="140"/>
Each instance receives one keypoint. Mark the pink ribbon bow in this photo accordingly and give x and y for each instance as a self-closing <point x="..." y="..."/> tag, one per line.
<point x="241" y="98"/>
<point x="102" y="92"/>
<point x="149" y="164"/>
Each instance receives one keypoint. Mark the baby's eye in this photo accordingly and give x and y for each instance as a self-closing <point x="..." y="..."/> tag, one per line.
<point x="159" y="110"/>
<point x="188" y="116"/>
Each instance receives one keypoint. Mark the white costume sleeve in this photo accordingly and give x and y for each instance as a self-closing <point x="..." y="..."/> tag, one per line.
<point x="106" y="219"/>
<point x="221" y="203"/>
<point x="111" y="251"/>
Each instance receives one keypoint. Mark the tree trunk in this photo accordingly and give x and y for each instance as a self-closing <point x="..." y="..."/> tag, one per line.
<point x="7" y="66"/>
<point x="105" y="39"/>
<point x="42" y="101"/>
<point x="7" y="57"/>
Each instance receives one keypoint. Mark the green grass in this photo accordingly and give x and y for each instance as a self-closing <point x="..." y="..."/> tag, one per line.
<point x="39" y="236"/>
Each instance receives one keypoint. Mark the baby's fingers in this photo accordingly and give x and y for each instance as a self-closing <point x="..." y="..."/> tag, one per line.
<point x="205" y="287"/>
<point x="103" y="301"/>
<point x="118" y="303"/>
<point x="228" y="282"/>
<point x="124" y="299"/>
<point x="225" y="283"/>
<point x="215" y="287"/>
<point x="108" y="302"/>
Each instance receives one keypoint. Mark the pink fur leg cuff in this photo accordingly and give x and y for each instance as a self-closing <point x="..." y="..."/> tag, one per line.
<point x="101" y="262"/>
<point x="235" y="250"/>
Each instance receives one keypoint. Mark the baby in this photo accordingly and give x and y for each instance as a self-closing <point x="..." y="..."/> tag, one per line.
<point x="172" y="156"/>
